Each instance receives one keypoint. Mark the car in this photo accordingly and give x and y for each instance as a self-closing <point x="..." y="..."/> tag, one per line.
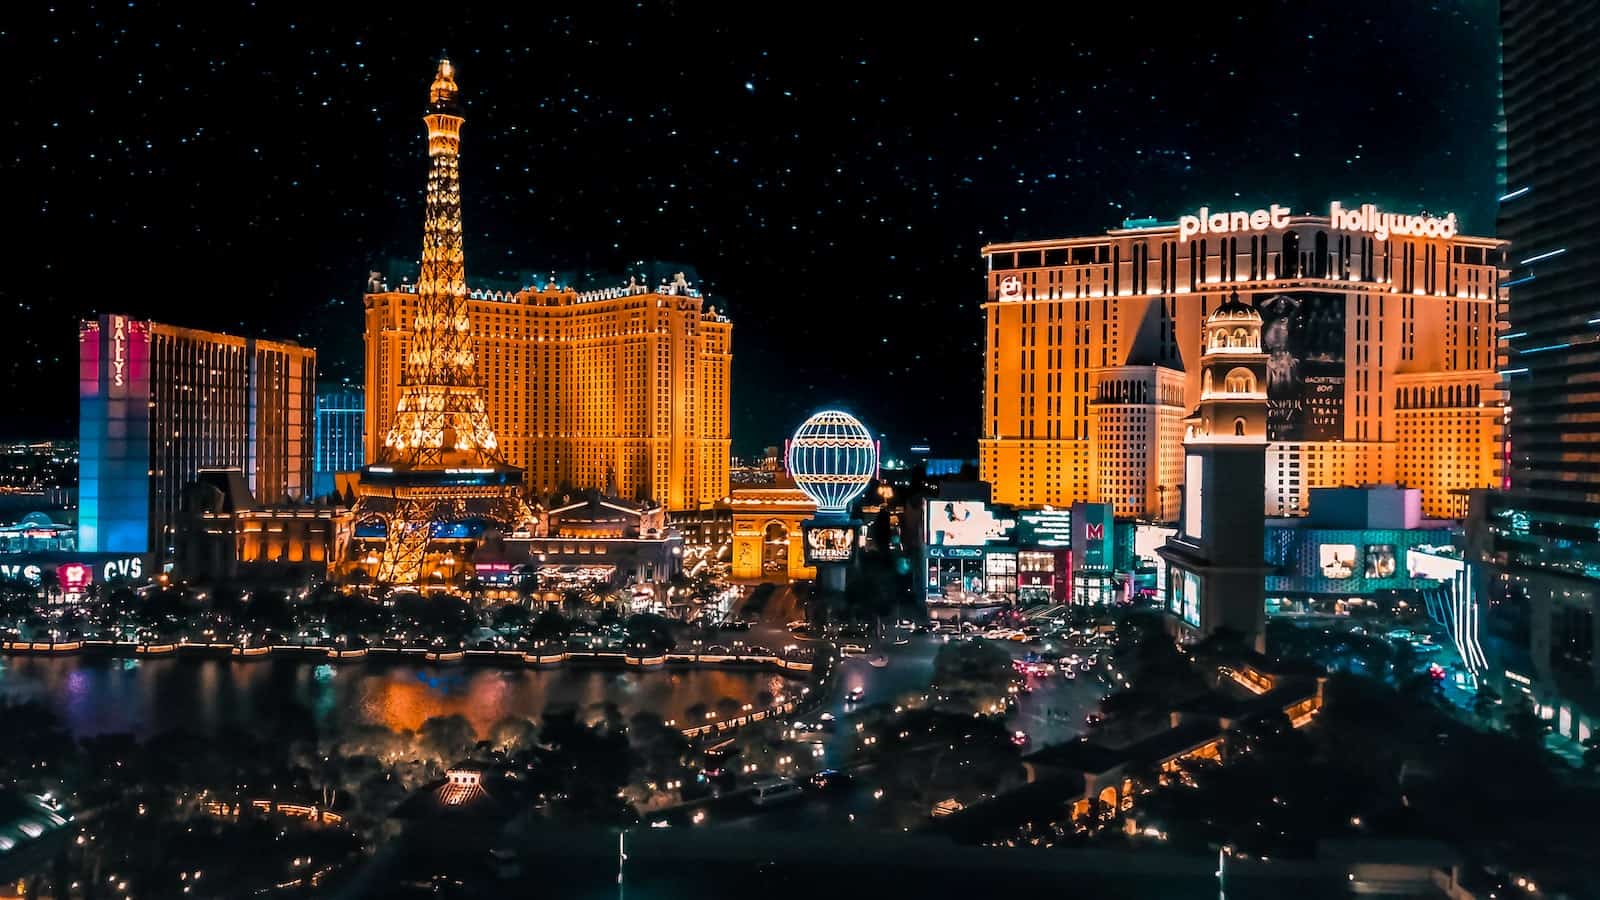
<point x="832" y="780"/>
<point x="852" y="649"/>
<point x="855" y="694"/>
<point x="1093" y="720"/>
<point x="768" y="791"/>
<point x="1019" y="738"/>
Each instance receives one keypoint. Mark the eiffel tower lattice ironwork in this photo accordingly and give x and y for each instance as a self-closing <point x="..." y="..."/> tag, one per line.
<point x="440" y="461"/>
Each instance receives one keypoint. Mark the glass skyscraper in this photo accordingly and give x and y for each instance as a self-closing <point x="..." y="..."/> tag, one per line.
<point x="340" y="443"/>
<point x="1541" y="537"/>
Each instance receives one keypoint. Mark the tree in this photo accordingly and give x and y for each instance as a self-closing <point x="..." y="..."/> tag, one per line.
<point x="513" y="734"/>
<point x="510" y="616"/>
<point x="550" y="625"/>
<point x="1525" y="725"/>
<point x="651" y="631"/>
<point x="587" y="765"/>
<point x="660" y="751"/>
<point x="1591" y="752"/>
<point x="446" y="738"/>
<point x="33" y="733"/>
<point x="1486" y="703"/>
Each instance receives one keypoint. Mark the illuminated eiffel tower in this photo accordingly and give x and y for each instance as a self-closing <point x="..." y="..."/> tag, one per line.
<point x="440" y="462"/>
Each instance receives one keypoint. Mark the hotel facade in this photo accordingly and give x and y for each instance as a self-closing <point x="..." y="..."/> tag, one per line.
<point x="158" y="403"/>
<point x="624" y="389"/>
<point x="1379" y="331"/>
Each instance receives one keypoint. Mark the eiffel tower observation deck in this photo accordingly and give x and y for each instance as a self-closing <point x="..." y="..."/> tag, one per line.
<point x="440" y="463"/>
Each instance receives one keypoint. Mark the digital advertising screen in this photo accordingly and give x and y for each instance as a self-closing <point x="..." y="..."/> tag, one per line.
<point x="829" y="543"/>
<point x="1338" y="561"/>
<point x="1381" y="561"/>
<point x="964" y="523"/>
<point x="1303" y="336"/>
<point x="1185" y="600"/>
<point x="1045" y="528"/>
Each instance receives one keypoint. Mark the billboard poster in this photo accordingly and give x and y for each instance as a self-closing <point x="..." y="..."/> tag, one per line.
<point x="1381" y="561"/>
<point x="829" y="543"/>
<point x="1337" y="561"/>
<point x="964" y="523"/>
<point x="1303" y="337"/>
<point x="1185" y="599"/>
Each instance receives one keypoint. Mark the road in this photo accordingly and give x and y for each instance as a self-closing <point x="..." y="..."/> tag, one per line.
<point x="1053" y="711"/>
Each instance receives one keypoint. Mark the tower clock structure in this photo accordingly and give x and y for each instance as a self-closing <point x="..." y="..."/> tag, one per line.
<point x="1216" y="562"/>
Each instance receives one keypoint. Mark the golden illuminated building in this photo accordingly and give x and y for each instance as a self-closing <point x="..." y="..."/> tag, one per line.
<point x="226" y="533"/>
<point x="624" y="389"/>
<point x="439" y="460"/>
<point x="1379" y="329"/>
<point x="767" y="541"/>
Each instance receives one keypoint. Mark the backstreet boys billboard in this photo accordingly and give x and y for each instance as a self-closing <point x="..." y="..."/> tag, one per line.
<point x="1303" y="335"/>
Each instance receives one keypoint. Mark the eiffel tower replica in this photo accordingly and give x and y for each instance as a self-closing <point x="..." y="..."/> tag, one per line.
<point x="440" y="462"/>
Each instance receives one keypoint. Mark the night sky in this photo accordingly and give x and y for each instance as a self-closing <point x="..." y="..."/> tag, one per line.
<point x="829" y="177"/>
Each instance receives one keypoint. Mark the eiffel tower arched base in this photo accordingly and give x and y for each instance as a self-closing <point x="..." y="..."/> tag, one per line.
<point x="411" y="501"/>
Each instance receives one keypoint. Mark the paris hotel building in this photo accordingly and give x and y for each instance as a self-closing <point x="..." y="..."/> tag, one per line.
<point x="624" y="388"/>
<point x="1380" y="329"/>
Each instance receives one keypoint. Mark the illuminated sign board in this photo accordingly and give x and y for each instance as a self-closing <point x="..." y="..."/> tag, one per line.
<point x="955" y="552"/>
<point x="1092" y="531"/>
<point x="1044" y="528"/>
<point x="829" y="543"/>
<point x="119" y="350"/>
<point x="75" y="578"/>
<point x="964" y="523"/>
<point x="76" y="575"/>
<point x="28" y="573"/>
<point x="1366" y="218"/>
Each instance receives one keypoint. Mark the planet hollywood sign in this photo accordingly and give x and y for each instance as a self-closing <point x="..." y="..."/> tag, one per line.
<point x="1366" y="219"/>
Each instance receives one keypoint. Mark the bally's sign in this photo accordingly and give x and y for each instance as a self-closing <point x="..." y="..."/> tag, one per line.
<point x="1366" y="219"/>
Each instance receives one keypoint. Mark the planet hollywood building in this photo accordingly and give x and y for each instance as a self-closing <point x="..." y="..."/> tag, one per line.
<point x="1380" y="328"/>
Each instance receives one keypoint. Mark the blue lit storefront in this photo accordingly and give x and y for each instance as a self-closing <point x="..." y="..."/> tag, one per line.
<point x="1339" y="571"/>
<point x="1387" y="574"/>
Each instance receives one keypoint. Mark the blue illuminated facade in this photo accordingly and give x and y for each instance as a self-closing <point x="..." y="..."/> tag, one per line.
<point x="341" y="413"/>
<point x="114" y="435"/>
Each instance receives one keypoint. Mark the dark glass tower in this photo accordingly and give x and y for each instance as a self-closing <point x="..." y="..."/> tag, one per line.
<point x="1544" y="533"/>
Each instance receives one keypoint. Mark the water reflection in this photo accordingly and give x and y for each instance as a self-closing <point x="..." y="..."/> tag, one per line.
<point x="106" y="696"/>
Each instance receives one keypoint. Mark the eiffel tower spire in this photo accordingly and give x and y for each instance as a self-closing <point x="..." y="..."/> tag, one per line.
<point x="440" y="460"/>
<point x="441" y="416"/>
